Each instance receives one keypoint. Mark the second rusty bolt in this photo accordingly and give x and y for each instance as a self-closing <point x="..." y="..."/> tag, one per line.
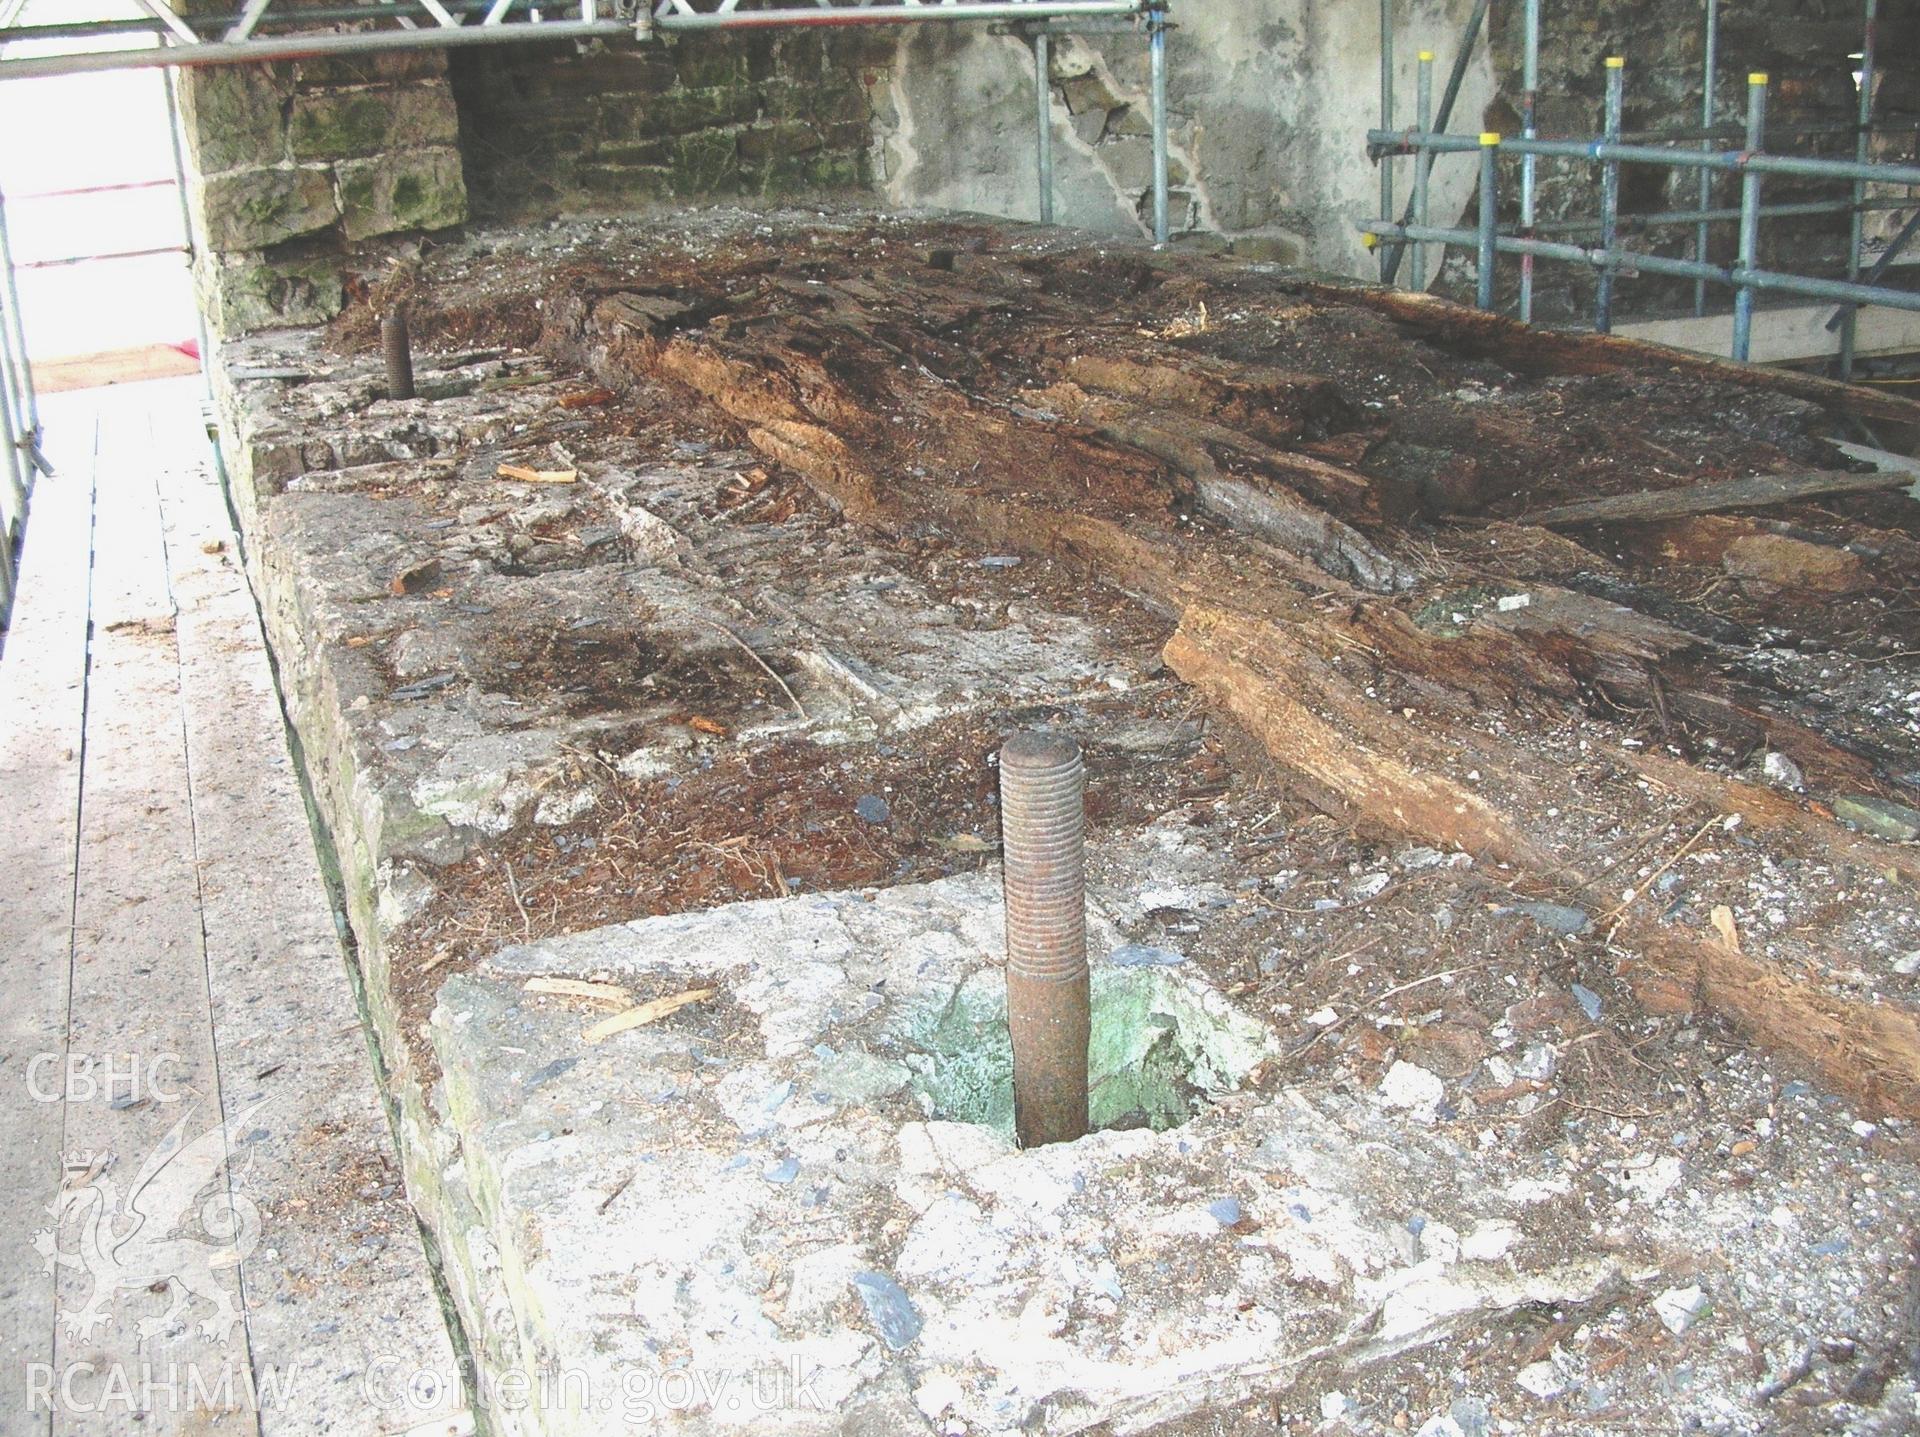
<point x="1042" y="815"/>
<point x="398" y="348"/>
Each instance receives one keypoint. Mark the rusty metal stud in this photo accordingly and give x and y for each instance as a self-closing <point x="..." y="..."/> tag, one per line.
<point x="398" y="347"/>
<point x="1042" y="815"/>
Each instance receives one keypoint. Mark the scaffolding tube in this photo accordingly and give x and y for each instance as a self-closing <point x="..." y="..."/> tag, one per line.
<point x="1861" y="152"/>
<point x="1786" y="209"/>
<point x="1529" y="97"/>
<point x="1609" y="193"/>
<point x="1043" y="120"/>
<point x="1734" y="161"/>
<point x="1629" y="263"/>
<point x="1386" y="109"/>
<point x="1750" y="179"/>
<point x="1157" y="62"/>
<point x="1422" y="165"/>
<point x="1709" y="76"/>
<point x="1469" y="37"/>
<point x="674" y="15"/>
<point x="301" y="47"/>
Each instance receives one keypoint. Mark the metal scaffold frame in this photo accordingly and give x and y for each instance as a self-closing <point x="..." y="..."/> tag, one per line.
<point x="1708" y="149"/>
<point x="22" y="462"/>
<point x="282" y="30"/>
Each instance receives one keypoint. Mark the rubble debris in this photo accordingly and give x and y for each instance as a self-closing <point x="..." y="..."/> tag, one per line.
<point x="1881" y="817"/>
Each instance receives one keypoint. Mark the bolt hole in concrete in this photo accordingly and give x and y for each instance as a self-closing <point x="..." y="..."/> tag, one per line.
<point x="1163" y="1045"/>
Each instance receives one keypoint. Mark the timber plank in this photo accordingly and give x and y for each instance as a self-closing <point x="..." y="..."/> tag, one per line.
<point x="1761" y="491"/>
<point x="1528" y="346"/>
<point x="339" y="1284"/>
<point x="43" y="688"/>
<point x="145" y="1143"/>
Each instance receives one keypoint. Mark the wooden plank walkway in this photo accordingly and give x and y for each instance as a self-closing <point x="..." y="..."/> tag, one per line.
<point x="209" y="1233"/>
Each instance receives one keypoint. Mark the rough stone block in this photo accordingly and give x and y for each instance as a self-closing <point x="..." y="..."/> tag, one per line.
<point x="233" y="116"/>
<point x="704" y="162"/>
<point x="343" y="124"/>
<point x="621" y="185"/>
<point x="256" y="208"/>
<point x="1130" y="162"/>
<point x="765" y="142"/>
<point x="417" y="190"/>
<point x="1272" y="247"/>
<point x="706" y="63"/>
<point x="241" y="294"/>
<point x="686" y="110"/>
<point x="392" y="68"/>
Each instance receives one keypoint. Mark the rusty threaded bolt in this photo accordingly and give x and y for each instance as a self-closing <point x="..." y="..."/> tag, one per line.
<point x="398" y="347"/>
<point x="1043" y="831"/>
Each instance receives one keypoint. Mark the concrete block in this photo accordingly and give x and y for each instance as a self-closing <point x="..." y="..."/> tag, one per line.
<point x="256" y="208"/>
<point x="414" y="190"/>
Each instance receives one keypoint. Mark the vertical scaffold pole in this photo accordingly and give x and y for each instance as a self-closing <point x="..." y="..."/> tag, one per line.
<point x="1157" y="62"/>
<point x="1610" y="196"/>
<point x="1862" y="150"/>
<point x="1749" y="217"/>
<point x="1386" y="118"/>
<point x="1043" y="118"/>
<point x="1489" y="231"/>
<point x="1422" y="166"/>
<point x="1709" y="72"/>
<point x="1530" y="130"/>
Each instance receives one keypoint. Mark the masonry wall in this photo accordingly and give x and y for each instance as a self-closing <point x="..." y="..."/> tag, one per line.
<point x="1269" y="103"/>
<point x="294" y="164"/>
<point x="546" y="130"/>
<point x="296" y="167"/>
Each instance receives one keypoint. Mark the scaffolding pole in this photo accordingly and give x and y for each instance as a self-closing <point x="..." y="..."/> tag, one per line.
<point x="1709" y="76"/>
<point x="1862" y="151"/>
<point x="1530" y="87"/>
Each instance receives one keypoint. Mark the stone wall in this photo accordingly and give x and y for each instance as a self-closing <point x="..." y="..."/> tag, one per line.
<point x="546" y="130"/>
<point x="1269" y="104"/>
<point x="295" y="163"/>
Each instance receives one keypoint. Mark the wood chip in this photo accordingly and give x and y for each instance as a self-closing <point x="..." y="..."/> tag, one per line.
<point x="609" y="993"/>
<point x="965" y="843"/>
<point x="1724" y="925"/>
<point x="523" y="475"/>
<point x="646" y="1013"/>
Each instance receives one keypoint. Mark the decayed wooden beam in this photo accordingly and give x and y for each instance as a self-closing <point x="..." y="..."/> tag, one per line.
<point x="1080" y="450"/>
<point x="1524" y="346"/>
<point x="1379" y="768"/>
<point x="1758" y="492"/>
<point x="1373" y="763"/>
